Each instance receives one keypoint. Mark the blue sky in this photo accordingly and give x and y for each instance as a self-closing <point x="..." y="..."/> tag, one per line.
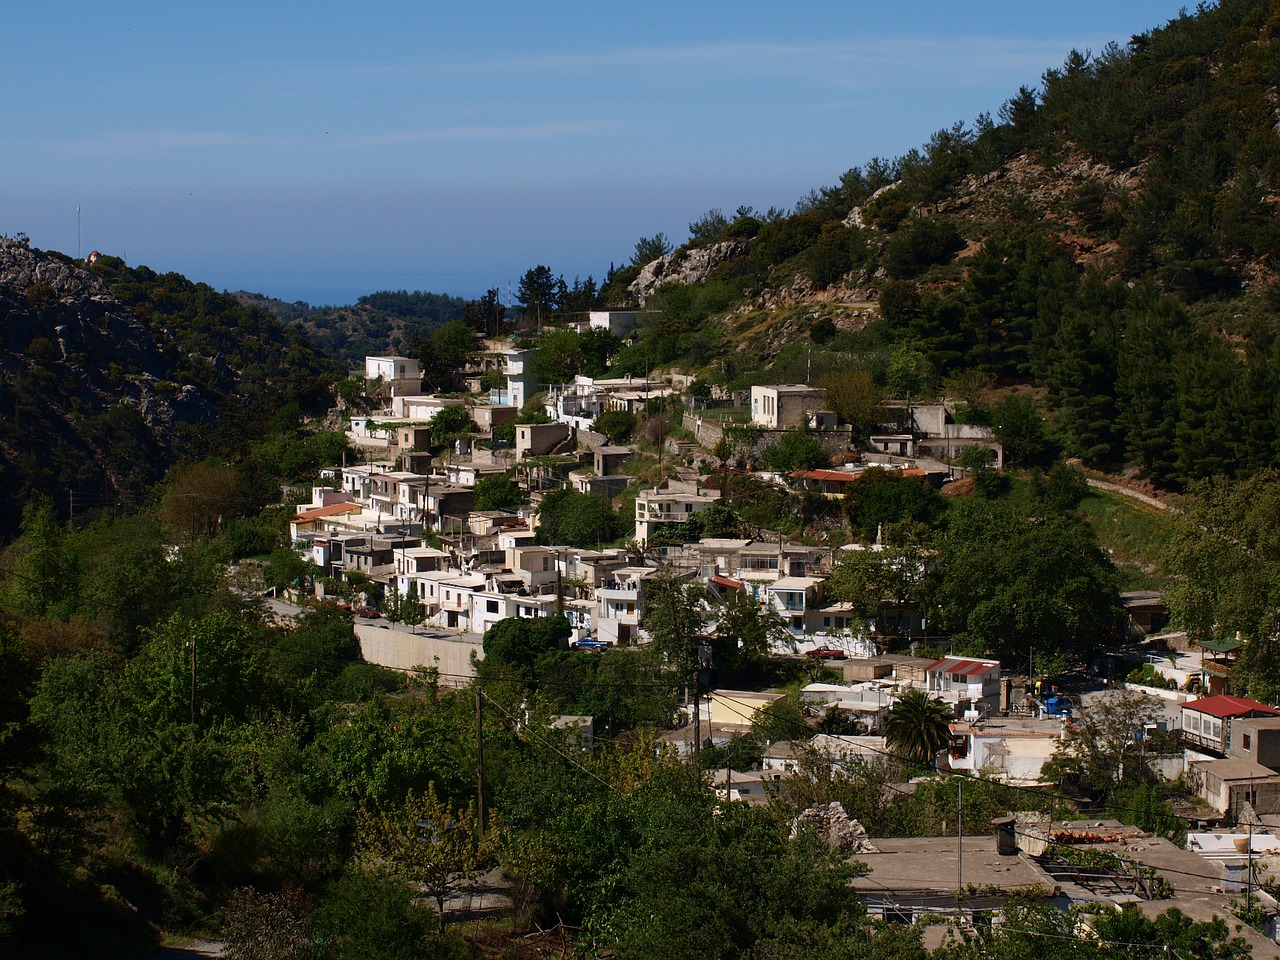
<point x="321" y="151"/>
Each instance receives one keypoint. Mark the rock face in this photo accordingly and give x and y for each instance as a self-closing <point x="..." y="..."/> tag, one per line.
<point x="90" y="393"/>
<point x="22" y="268"/>
<point x="834" y="826"/>
<point x="684" y="267"/>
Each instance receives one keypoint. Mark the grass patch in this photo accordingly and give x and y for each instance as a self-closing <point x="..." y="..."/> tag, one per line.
<point x="1135" y="535"/>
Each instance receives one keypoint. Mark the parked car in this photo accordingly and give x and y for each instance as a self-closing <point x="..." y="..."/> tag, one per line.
<point x="826" y="653"/>
<point x="592" y="645"/>
<point x="370" y="613"/>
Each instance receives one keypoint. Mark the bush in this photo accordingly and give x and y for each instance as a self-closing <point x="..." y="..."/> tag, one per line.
<point x="617" y="425"/>
<point x="797" y="450"/>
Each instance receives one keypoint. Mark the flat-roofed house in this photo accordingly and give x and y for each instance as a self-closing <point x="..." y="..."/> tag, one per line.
<point x="781" y="406"/>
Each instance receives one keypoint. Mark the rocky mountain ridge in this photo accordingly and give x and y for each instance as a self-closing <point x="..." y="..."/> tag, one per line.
<point x="99" y="395"/>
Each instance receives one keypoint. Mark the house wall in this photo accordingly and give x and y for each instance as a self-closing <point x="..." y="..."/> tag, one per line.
<point x="739" y="707"/>
<point x="783" y="408"/>
<point x="617" y="322"/>
<point x="1205" y="730"/>
<point x="535" y="439"/>
<point x="391" y="368"/>
<point x="1257" y="742"/>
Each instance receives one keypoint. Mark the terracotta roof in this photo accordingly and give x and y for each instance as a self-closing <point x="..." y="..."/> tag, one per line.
<point x="833" y="476"/>
<point x="330" y="511"/>
<point x="1224" y="705"/>
<point x="726" y="582"/>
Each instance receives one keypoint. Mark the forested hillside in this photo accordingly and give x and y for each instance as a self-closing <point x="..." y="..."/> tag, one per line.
<point x="377" y="324"/>
<point x="108" y="374"/>
<point x="1109" y="240"/>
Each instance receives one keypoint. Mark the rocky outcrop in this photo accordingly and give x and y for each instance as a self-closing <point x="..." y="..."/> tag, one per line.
<point x="685" y="266"/>
<point x="90" y="393"/>
<point x="835" y="827"/>
<point x="22" y="268"/>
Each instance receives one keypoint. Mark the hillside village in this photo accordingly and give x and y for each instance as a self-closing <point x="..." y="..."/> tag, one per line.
<point x="406" y="525"/>
<point x="894" y="575"/>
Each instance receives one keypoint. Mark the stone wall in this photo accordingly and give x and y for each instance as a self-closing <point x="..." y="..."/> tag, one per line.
<point x="709" y="434"/>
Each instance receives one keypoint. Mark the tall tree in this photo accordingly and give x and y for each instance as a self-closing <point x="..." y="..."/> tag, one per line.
<point x="649" y="249"/>
<point x="540" y="293"/>
<point x="1008" y="577"/>
<point x="427" y="843"/>
<point x="670" y="615"/>
<point x="1225" y="563"/>
<point x="918" y="726"/>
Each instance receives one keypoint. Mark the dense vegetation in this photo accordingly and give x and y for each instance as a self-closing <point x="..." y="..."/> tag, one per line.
<point x="174" y="757"/>
<point x="380" y="323"/>
<point x="101" y="395"/>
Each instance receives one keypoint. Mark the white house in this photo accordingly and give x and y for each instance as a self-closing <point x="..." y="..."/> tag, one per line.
<point x="973" y="684"/>
<point x="521" y="383"/>
<point x="394" y="371"/>
<point x="781" y="406"/>
<point x="793" y="598"/>
<point x="1007" y="749"/>
<point x="675" y="503"/>
<point x="619" y="323"/>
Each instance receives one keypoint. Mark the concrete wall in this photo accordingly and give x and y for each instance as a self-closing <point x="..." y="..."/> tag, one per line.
<point x="401" y="650"/>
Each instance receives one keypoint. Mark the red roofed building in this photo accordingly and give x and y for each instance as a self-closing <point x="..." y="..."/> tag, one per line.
<point x="965" y="681"/>
<point x="311" y="519"/>
<point x="1206" y="723"/>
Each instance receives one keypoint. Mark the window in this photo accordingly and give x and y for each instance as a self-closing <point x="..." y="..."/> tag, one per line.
<point x="491" y="606"/>
<point x="1248" y="741"/>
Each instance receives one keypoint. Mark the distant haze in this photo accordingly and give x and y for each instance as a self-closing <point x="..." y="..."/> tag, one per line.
<point x="323" y="151"/>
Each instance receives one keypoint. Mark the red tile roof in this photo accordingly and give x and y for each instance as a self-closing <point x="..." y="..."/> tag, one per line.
<point x="830" y="476"/>
<point x="330" y="511"/>
<point x="727" y="582"/>
<point x="1223" y="706"/>
<point x="962" y="667"/>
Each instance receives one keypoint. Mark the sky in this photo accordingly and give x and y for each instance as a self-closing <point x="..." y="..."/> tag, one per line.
<point x="322" y="151"/>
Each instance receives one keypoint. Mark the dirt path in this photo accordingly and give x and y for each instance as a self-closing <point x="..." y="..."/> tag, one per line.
<point x="1126" y="492"/>
<point x="189" y="951"/>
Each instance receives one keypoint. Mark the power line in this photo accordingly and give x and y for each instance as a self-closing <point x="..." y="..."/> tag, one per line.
<point x="550" y="746"/>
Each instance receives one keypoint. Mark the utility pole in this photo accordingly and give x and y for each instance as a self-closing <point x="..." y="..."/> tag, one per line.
<point x="480" y="761"/>
<point x="1248" y="898"/>
<point x="697" y="715"/>
<point x="959" y="839"/>
<point x="193" y="680"/>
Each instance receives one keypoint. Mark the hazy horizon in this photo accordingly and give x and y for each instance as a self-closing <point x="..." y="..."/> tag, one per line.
<point x="320" y="153"/>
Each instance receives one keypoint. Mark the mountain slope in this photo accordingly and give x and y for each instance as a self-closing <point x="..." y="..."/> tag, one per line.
<point x="108" y="373"/>
<point x="1110" y="242"/>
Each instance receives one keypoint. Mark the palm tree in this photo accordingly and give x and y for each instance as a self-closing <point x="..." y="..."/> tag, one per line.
<point x="918" y="726"/>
